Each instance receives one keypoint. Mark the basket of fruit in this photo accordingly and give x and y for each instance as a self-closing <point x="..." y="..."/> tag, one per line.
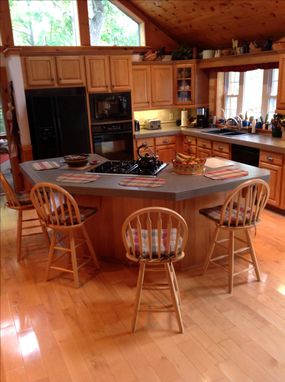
<point x="188" y="164"/>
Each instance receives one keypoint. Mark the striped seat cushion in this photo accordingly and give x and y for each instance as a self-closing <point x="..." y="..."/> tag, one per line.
<point x="145" y="254"/>
<point x="237" y="219"/>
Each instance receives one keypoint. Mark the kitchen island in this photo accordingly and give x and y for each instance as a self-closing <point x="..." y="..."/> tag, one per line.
<point x="185" y="194"/>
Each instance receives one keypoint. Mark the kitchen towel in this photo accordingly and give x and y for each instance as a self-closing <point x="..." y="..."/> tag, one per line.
<point x="77" y="178"/>
<point x="45" y="165"/>
<point x="139" y="181"/>
<point x="226" y="173"/>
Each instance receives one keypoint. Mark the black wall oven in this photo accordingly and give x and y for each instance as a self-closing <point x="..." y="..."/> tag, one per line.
<point x="113" y="141"/>
<point x="111" y="120"/>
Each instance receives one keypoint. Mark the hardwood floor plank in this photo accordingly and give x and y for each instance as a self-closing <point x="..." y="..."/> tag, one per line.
<point x="52" y="332"/>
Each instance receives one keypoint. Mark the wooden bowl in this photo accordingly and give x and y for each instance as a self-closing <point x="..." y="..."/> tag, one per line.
<point x="76" y="160"/>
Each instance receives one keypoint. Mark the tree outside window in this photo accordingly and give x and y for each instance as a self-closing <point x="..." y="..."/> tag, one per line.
<point x="44" y="22"/>
<point x="110" y="26"/>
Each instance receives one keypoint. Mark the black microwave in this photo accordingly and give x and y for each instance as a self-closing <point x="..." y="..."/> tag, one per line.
<point x="109" y="107"/>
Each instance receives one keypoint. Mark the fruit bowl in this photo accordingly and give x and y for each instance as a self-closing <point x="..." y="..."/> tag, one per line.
<point x="76" y="160"/>
<point x="193" y="166"/>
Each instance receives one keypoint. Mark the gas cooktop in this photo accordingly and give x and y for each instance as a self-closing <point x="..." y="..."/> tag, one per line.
<point x="128" y="167"/>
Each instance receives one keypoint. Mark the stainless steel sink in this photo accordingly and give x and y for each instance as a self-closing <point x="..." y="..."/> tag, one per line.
<point x="224" y="132"/>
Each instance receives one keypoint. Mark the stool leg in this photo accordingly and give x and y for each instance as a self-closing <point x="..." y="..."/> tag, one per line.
<point x="231" y="260"/>
<point x="90" y="247"/>
<point x="173" y="273"/>
<point x="74" y="260"/>
<point x="253" y="256"/>
<point x="138" y="295"/>
<point x="174" y="297"/>
<point x="19" y="235"/>
<point x="210" y="254"/>
<point x="50" y="254"/>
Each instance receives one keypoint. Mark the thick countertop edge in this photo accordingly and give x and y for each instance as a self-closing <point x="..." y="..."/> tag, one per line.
<point x="260" y="141"/>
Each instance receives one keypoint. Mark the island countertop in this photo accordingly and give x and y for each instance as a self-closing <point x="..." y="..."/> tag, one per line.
<point x="176" y="187"/>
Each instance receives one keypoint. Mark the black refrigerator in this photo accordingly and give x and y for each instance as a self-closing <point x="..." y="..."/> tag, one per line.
<point x="58" y="122"/>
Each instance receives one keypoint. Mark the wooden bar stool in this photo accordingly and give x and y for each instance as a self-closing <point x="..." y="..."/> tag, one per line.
<point x="21" y="203"/>
<point x="155" y="237"/>
<point x="59" y="211"/>
<point x="240" y="212"/>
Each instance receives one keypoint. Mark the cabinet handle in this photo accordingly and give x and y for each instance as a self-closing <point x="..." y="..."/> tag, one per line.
<point x="203" y="145"/>
<point x="270" y="159"/>
<point x="221" y="148"/>
<point x="166" y="141"/>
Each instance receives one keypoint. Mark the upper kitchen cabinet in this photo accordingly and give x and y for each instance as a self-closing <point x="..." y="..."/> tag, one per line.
<point x="49" y="71"/>
<point x="184" y="84"/>
<point x="141" y="87"/>
<point x="191" y="85"/>
<point x="152" y="86"/>
<point x="108" y="73"/>
<point x="281" y="86"/>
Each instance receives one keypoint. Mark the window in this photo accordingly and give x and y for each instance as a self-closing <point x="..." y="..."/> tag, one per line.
<point x="253" y="93"/>
<point x="44" y="22"/>
<point x="110" y="26"/>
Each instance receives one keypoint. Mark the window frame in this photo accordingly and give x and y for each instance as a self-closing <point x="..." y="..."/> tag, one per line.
<point x="266" y="92"/>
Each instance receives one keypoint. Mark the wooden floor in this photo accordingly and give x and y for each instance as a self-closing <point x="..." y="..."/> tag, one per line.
<point x="53" y="332"/>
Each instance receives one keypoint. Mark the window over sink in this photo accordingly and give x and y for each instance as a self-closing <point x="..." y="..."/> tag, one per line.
<point x="253" y="92"/>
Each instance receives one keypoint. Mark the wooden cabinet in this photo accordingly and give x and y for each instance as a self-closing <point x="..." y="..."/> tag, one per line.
<point x="108" y="73"/>
<point x="281" y="86"/>
<point x="204" y="148"/>
<point x="221" y="149"/>
<point x="50" y="71"/>
<point x="282" y="202"/>
<point x="165" y="148"/>
<point x="189" y="145"/>
<point x="141" y="87"/>
<point x="184" y="84"/>
<point x="273" y="162"/>
<point x="152" y="86"/>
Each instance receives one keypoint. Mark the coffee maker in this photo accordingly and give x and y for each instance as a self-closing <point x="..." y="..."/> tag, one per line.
<point x="202" y="117"/>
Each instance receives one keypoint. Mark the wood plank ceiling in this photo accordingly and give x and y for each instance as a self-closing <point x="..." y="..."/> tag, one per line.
<point x="213" y="23"/>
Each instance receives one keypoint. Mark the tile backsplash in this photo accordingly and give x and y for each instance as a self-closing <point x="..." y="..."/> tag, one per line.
<point x="166" y="115"/>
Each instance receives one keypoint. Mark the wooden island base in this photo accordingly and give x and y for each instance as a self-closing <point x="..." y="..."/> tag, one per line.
<point x="105" y="228"/>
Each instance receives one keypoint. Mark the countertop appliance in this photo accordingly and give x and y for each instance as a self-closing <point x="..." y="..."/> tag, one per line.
<point x="127" y="167"/>
<point x="202" y="117"/>
<point x="58" y="122"/>
<point x="110" y="107"/>
<point x="153" y="124"/>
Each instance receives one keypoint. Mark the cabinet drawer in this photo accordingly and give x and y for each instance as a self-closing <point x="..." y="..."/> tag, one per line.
<point x="203" y="153"/>
<point x="148" y="141"/>
<point x="270" y="157"/>
<point x="221" y="154"/>
<point x="221" y="147"/>
<point x="165" y="140"/>
<point x="204" y="143"/>
<point x="190" y="140"/>
<point x="189" y="149"/>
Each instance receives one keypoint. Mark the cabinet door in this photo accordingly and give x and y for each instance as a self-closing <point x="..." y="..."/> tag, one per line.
<point x="221" y="155"/>
<point x="281" y="85"/>
<point x="282" y="203"/>
<point x="70" y="70"/>
<point x="121" y="73"/>
<point x="141" y="87"/>
<point x="161" y="85"/>
<point x="40" y="71"/>
<point x="203" y="153"/>
<point x="98" y="73"/>
<point x="166" y="153"/>
<point x="184" y="84"/>
<point x="274" y="183"/>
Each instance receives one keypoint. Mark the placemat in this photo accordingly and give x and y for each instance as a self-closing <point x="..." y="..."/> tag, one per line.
<point x="45" y="165"/>
<point x="139" y="181"/>
<point x="226" y="173"/>
<point x="77" y="178"/>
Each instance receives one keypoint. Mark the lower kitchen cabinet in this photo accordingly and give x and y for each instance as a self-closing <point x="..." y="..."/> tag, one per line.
<point x="189" y="145"/>
<point x="144" y="141"/>
<point x="204" y="148"/>
<point x="282" y="203"/>
<point x="165" y="148"/>
<point x="273" y="162"/>
<point x="222" y="150"/>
